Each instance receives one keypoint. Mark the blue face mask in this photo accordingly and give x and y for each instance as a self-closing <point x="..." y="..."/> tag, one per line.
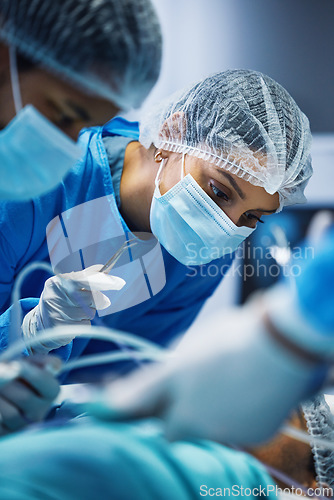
<point x="189" y="224"/>
<point x="34" y="156"/>
<point x="34" y="153"/>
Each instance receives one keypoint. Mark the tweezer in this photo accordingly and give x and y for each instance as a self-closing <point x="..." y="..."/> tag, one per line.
<point x="112" y="261"/>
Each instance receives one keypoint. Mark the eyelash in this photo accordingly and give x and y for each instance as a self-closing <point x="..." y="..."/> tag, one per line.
<point x="217" y="192"/>
<point x="220" y="194"/>
<point x="252" y="217"/>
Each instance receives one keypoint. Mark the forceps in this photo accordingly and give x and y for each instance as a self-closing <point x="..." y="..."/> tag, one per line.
<point x="112" y="261"/>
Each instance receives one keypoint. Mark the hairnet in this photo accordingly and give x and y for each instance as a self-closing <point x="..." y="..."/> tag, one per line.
<point x="320" y="423"/>
<point x="110" y="48"/>
<point x="242" y="121"/>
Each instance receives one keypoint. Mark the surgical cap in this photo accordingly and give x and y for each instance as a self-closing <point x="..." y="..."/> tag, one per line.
<point x="110" y="48"/>
<point x="320" y="424"/>
<point x="242" y="121"/>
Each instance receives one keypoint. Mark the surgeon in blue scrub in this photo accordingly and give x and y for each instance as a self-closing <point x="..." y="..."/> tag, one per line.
<point x="199" y="173"/>
<point x="63" y="66"/>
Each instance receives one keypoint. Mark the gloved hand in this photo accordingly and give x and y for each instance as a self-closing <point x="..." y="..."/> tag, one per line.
<point x="238" y="380"/>
<point x="68" y="299"/>
<point x="234" y="384"/>
<point x="27" y="389"/>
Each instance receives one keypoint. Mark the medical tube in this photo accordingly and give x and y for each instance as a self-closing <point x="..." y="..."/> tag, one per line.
<point x="284" y="478"/>
<point x="16" y="313"/>
<point x="113" y="357"/>
<point x="290" y="482"/>
<point x="101" y="333"/>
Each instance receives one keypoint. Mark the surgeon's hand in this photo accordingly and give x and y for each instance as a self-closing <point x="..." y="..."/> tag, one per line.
<point x="68" y="299"/>
<point x="27" y="389"/>
<point x="232" y="384"/>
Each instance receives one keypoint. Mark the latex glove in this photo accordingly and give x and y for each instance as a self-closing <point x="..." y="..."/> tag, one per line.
<point x="239" y="380"/>
<point x="27" y="389"/>
<point x="68" y="299"/>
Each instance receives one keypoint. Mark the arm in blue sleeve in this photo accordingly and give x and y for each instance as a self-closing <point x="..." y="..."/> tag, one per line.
<point x="26" y="306"/>
<point x="16" y="228"/>
<point x="16" y="231"/>
<point x="22" y="235"/>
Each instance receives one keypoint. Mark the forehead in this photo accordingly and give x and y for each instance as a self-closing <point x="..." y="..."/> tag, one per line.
<point x="41" y="85"/>
<point x="235" y="159"/>
<point x="245" y="189"/>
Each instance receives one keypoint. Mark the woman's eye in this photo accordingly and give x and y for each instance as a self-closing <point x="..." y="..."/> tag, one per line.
<point x="65" y="121"/>
<point x="253" y="217"/>
<point x="217" y="192"/>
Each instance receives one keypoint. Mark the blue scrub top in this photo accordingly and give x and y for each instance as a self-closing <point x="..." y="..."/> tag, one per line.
<point x="23" y="240"/>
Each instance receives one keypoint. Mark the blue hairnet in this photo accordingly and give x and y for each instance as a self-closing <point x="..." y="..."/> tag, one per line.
<point x="242" y="121"/>
<point x="110" y="48"/>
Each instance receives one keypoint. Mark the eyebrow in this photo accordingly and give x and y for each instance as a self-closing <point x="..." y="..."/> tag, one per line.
<point x="242" y="195"/>
<point x="233" y="183"/>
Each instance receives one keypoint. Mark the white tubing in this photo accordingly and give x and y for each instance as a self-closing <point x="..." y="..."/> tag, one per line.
<point x="16" y="314"/>
<point x="85" y="331"/>
<point x="112" y="357"/>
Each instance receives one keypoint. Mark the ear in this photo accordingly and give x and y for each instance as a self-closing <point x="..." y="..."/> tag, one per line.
<point x="174" y="128"/>
<point x="161" y="154"/>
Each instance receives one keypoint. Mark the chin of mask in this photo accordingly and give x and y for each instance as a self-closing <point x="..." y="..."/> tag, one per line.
<point x="34" y="155"/>
<point x="189" y="224"/>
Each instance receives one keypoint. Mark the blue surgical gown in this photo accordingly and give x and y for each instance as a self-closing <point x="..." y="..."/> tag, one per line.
<point x="23" y="240"/>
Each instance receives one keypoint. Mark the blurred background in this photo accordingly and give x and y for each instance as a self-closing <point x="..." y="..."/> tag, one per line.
<point x="290" y="40"/>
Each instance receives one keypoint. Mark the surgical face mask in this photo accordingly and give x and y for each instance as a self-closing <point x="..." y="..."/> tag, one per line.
<point x="34" y="153"/>
<point x="190" y="225"/>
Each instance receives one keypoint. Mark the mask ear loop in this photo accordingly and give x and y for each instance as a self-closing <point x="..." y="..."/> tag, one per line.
<point x="182" y="165"/>
<point x="14" y="78"/>
<point x="157" y="177"/>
